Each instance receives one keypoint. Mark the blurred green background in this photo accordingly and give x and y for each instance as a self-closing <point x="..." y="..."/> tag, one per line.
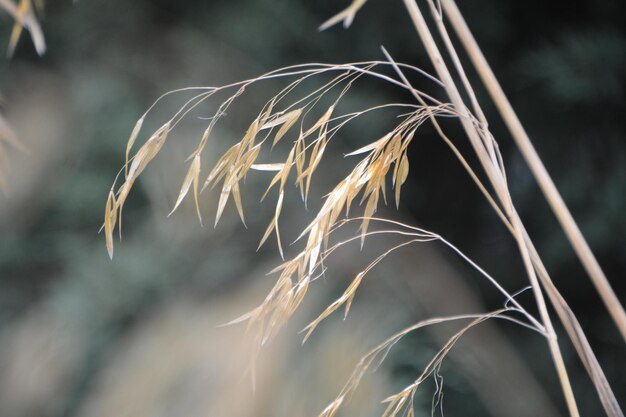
<point x="81" y="335"/>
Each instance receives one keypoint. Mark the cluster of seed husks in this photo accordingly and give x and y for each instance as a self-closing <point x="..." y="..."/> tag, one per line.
<point x="382" y="161"/>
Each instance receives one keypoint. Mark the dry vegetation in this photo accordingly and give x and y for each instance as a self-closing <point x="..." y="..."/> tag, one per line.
<point x="301" y="125"/>
<point x="24" y="14"/>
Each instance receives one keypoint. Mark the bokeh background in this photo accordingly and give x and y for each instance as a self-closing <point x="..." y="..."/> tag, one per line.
<point x="81" y="335"/>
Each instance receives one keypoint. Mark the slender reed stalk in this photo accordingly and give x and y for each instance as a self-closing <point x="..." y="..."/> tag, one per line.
<point x="567" y="317"/>
<point x="24" y="15"/>
<point x="562" y="213"/>
<point x="499" y="185"/>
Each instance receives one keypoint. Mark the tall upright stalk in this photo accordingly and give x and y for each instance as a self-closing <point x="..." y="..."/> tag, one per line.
<point x="497" y="180"/>
<point x="544" y="180"/>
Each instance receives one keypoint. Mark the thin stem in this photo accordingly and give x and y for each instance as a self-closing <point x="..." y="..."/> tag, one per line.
<point x="582" y="249"/>
<point x="498" y="182"/>
<point x="427" y="236"/>
<point x="577" y="336"/>
<point x="453" y="147"/>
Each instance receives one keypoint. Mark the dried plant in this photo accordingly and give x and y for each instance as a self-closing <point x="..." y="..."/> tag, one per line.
<point x="25" y="18"/>
<point x="24" y="13"/>
<point x="287" y="115"/>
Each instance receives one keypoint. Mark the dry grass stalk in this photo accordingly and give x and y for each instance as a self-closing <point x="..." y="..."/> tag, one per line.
<point x="25" y="18"/>
<point x="24" y="15"/>
<point x="536" y="166"/>
<point x="526" y="247"/>
<point x="380" y="160"/>
<point x="401" y="402"/>
<point x="566" y="316"/>
<point x="485" y="150"/>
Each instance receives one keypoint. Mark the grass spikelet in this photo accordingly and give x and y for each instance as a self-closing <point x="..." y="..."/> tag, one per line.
<point x="279" y="205"/>
<point x="191" y="178"/>
<point x="403" y="173"/>
<point x="346" y="298"/>
<point x="300" y="160"/>
<point x="131" y="142"/>
<point x="371" y="146"/>
<point x="286" y="121"/>
<point x="282" y="175"/>
<point x="332" y="408"/>
<point x="140" y="161"/>
<point x="346" y="16"/>
<point x="320" y="123"/>
<point x="238" y="204"/>
<point x="224" y="195"/>
<point x="248" y="140"/>
<point x="110" y="217"/>
<point x="249" y="159"/>
<point x="222" y="166"/>
<point x="370" y="209"/>
<point x="299" y="293"/>
<point x="314" y="161"/>
<point x="147" y="152"/>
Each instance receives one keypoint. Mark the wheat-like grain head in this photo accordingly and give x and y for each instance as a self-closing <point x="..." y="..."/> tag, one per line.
<point x="284" y="122"/>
